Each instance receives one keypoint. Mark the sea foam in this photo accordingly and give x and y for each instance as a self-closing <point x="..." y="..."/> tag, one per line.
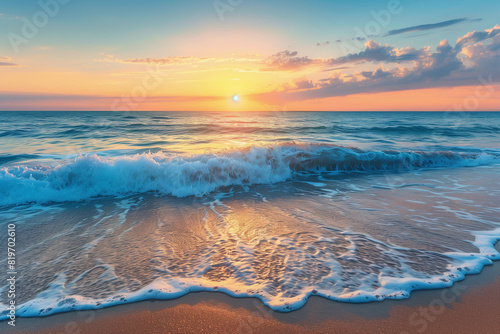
<point x="56" y="300"/>
<point x="89" y="176"/>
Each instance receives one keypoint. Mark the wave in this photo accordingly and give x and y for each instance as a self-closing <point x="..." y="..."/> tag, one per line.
<point x="15" y="133"/>
<point x="87" y="131"/>
<point x="9" y="158"/>
<point x="92" y="176"/>
<point x="422" y="129"/>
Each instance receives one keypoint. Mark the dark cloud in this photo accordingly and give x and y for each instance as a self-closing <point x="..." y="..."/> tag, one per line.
<point x="423" y="27"/>
<point x="442" y="63"/>
<point x="418" y="35"/>
<point x="373" y="52"/>
<point x="377" y="52"/>
<point x="304" y="84"/>
<point x="7" y="64"/>
<point x="377" y="74"/>
<point x="336" y="68"/>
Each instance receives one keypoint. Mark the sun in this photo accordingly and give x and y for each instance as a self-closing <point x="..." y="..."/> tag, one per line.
<point x="236" y="98"/>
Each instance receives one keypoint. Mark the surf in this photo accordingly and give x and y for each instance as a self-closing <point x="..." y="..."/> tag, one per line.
<point x="90" y="176"/>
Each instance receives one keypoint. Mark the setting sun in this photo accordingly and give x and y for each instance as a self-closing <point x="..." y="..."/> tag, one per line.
<point x="241" y="160"/>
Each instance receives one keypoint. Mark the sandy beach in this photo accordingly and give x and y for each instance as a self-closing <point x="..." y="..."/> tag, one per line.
<point x="470" y="306"/>
<point x="230" y="166"/>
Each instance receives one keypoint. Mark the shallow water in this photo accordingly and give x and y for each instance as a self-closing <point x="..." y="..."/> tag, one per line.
<point x="117" y="207"/>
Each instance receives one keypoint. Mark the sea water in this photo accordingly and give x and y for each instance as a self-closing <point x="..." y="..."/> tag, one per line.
<point x="117" y="207"/>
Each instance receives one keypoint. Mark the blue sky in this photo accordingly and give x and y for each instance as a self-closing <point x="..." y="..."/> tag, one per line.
<point x="125" y="24"/>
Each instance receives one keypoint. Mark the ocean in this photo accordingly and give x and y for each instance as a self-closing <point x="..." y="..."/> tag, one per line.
<point x="117" y="207"/>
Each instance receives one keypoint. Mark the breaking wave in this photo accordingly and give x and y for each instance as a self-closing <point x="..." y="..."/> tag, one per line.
<point x="92" y="176"/>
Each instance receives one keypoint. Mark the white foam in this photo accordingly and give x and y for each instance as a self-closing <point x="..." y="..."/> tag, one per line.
<point x="92" y="176"/>
<point x="55" y="300"/>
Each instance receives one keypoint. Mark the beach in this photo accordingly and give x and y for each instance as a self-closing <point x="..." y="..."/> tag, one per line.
<point x="233" y="166"/>
<point x="470" y="306"/>
<point x="314" y="220"/>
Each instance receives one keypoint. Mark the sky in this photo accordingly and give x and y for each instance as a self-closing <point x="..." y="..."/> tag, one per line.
<point x="272" y="55"/>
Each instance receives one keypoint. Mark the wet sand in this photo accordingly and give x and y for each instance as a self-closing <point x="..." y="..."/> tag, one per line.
<point x="470" y="306"/>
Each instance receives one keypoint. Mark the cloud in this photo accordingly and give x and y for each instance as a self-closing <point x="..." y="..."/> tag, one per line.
<point x="5" y="61"/>
<point x="164" y="61"/>
<point x="374" y="52"/>
<point x="322" y="44"/>
<point x="377" y="52"/>
<point x="336" y="68"/>
<point x="8" y="17"/>
<point x="377" y="74"/>
<point x="177" y="61"/>
<point x="288" y="61"/>
<point x="430" y="26"/>
<point x="477" y="36"/>
<point x="475" y="55"/>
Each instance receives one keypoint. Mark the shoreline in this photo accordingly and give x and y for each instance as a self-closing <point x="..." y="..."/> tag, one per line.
<point x="470" y="305"/>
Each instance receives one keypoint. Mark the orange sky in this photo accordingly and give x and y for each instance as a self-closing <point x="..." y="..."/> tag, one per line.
<point x="381" y="76"/>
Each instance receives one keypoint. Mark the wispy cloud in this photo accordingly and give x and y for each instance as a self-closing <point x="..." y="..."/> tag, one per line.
<point x="430" y="26"/>
<point x="173" y="61"/>
<point x="8" y="17"/>
<point x="324" y="43"/>
<point x="5" y="61"/>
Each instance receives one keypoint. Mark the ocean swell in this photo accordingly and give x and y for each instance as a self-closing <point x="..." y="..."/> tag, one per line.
<point x="92" y="176"/>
